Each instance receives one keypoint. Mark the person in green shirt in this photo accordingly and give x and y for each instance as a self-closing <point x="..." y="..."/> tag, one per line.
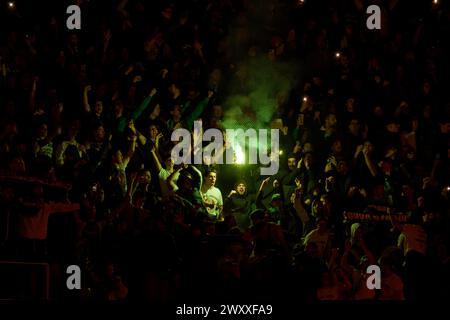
<point x="187" y="117"/>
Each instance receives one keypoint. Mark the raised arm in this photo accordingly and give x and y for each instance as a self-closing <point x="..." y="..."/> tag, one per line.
<point x="60" y="153"/>
<point x="171" y="180"/>
<point x="106" y="40"/>
<point x="122" y="5"/>
<point x="138" y="112"/>
<point x="130" y="152"/>
<point x="199" y="174"/>
<point x="369" y="163"/>
<point x="299" y="209"/>
<point x="33" y="95"/>
<point x="132" y="186"/>
<point x="263" y="185"/>
<point x="358" y="150"/>
<point x="142" y="139"/>
<point x="198" y="110"/>
<point x="156" y="159"/>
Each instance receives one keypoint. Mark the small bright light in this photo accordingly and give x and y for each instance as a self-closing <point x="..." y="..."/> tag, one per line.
<point x="10" y="4"/>
<point x="281" y="152"/>
<point x="338" y="54"/>
<point x="435" y="1"/>
<point x="305" y="99"/>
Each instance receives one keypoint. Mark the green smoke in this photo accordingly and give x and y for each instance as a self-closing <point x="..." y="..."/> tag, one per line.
<point x="265" y="82"/>
<point x="260" y="78"/>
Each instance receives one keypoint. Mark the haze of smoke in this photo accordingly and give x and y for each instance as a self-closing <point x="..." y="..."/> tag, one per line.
<point x="257" y="108"/>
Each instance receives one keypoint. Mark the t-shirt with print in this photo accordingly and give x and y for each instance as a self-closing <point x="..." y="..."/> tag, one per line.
<point x="213" y="201"/>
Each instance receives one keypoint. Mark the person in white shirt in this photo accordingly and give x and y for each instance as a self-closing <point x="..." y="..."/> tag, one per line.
<point x="212" y="196"/>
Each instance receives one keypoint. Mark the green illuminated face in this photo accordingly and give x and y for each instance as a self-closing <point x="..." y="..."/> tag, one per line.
<point x="240" y="188"/>
<point x="211" y="178"/>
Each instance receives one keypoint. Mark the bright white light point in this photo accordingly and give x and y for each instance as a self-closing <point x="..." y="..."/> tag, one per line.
<point x="281" y="152"/>
<point x="239" y="154"/>
<point x="10" y="4"/>
<point x="435" y="1"/>
<point x="338" y="54"/>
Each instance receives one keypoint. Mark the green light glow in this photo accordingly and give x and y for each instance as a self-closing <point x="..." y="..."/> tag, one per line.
<point x="239" y="154"/>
